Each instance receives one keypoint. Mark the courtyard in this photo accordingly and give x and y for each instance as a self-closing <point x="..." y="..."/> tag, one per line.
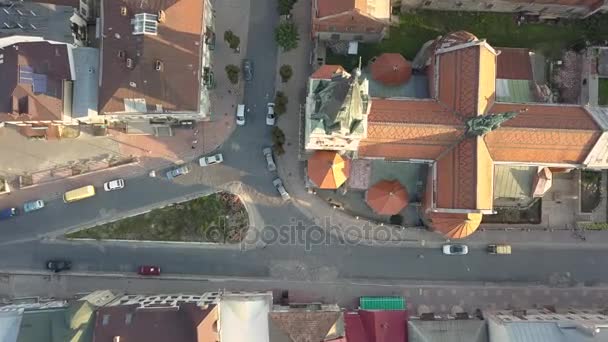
<point x="416" y="28"/>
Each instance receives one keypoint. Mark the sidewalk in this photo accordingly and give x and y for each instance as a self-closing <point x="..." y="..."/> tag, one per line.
<point x="291" y="171"/>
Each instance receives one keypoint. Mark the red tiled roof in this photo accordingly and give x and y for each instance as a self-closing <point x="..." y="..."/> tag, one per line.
<point x="555" y="116"/>
<point x="177" y="45"/>
<point x="401" y="141"/>
<point x="514" y="64"/>
<point x="411" y="111"/>
<point x="376" y="326"/>
<point x="540" y="145"/>
<point x="459" y="80"/>
<point x="153" y="325"/>
<point x="331" y="7"/>
<point x="326" y="71"/>
<point x="19" y="98"/>
<point x="457" y="176"/>
<point x="391" y="69"/>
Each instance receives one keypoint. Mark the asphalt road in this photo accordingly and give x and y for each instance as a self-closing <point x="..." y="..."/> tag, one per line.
<point x="319" y="263"/>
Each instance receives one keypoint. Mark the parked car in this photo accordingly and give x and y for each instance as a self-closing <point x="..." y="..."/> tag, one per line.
<point x="114" y="184"/>
<point x="8" y="213"/>
<point x="269" y="161"/>
<point x="270" y="118"/>
<point x="182" y="170"/>
<point x="58" y="265"/>
<point x="280" y="188"/>
<point x="148" y="270"/>
<point x="247" y="70"/>
<point x="33" y="205"/>
<point x="455" y="249"/>
<point x="210" y="160"/>
<point x="240" y="115"/>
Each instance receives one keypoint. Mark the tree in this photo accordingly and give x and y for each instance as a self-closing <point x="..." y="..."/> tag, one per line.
<point x="285" y="6"/>
<point x="233" y="73"/>
<point x="278" y="139"/>
<point x="280" y="103"/>
<point x="232" y="39"/>
<point x="286" y="35"/>
<point x="286" y="72"/>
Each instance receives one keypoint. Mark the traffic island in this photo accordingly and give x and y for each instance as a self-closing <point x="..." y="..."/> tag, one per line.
<point x="217" y="218"/>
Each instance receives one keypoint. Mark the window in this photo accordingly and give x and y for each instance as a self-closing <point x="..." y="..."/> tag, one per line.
<point x="83" y="11"/>
<point x="335" y="37"/>
<point x="1" y="58"/>
<point x="428" y="3"/>
<point x="359" y="37"/>
<point x="145" y="23"/>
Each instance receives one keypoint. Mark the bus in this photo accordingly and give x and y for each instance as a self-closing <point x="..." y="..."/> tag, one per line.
<point x="79" y="194"/>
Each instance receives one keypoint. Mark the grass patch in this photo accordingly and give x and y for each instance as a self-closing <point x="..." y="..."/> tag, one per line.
<point x="500" y="29"/>
<point x="603" y="92"/>
<point x="218" y="218"/>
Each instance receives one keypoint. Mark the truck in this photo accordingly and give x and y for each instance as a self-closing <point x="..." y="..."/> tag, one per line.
<point x="499" y="249"/>
<point x="8" y="213"/>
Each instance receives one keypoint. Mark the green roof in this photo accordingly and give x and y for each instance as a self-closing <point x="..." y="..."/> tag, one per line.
<point x="382" y="303"/>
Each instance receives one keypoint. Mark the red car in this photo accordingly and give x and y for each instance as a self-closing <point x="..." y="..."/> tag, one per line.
<point x="149" y="270"/>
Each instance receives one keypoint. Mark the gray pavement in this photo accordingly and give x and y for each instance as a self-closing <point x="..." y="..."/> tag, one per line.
<point x="438" y="298"/>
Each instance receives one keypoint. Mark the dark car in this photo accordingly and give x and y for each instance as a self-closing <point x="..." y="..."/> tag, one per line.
<point x="247" y="70"/>
<point x="148" y="270"/>
<point x="8" y="213"/>
<point x="58" y="265"/>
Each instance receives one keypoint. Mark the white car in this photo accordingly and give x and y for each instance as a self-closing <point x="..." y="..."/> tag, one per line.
<point x="210" y="160"/>
<point x="240" y="115"/>
<point x="269" y="161"/>
<point x="281" y="189"/>
<point x="270" y="115"/>
<point x="455" y="249"/>
<point x="114" y="185"/>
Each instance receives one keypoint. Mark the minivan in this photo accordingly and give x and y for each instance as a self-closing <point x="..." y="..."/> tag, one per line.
<point x="240" y="115"/>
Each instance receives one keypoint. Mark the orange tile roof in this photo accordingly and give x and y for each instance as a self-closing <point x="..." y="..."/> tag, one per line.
<point x="464" y="176"/>
<point x="514" y="64"/>
<point x="401" y="141"/>
<point x="331" y="7"/>
<point x="486" y="88"/>
<point x="411" y="111"/>
<point x="387" y="197"/>
<point x="326" y="71"/>
<point x="455" y="226"/>
<point x="391" y="69"/>
<point x="328" y="170"/>
<point x="459" y="80"/>
<point x="547" y="116"/>
<point x="540" y="145"/>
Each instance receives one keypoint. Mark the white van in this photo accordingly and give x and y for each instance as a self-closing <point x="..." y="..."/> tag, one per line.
<point x="240" y="115"/>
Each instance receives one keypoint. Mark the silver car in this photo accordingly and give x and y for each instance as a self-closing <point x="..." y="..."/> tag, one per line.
<point x="269" y="161"/>
<point x="33" y="205"/>
<point x="280" y="188"/>
<point x="455" y="249"/>
<point x="270" y="117"/>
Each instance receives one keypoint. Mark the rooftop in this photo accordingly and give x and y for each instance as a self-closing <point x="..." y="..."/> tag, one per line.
<point x="51" y="21"/>
<point x="379" y="9"/>
<point x="151" y="53"/>
<point x="131" y="323"/>
<point x="33" y="75"/>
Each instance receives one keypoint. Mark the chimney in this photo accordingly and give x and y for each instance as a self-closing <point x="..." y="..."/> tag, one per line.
<point x="116" y="339"/>
<point x="121" y="54"/>
<point x="162" y="16"/>
<point x="123" y="11"/>
<point x="129" y="63"/>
